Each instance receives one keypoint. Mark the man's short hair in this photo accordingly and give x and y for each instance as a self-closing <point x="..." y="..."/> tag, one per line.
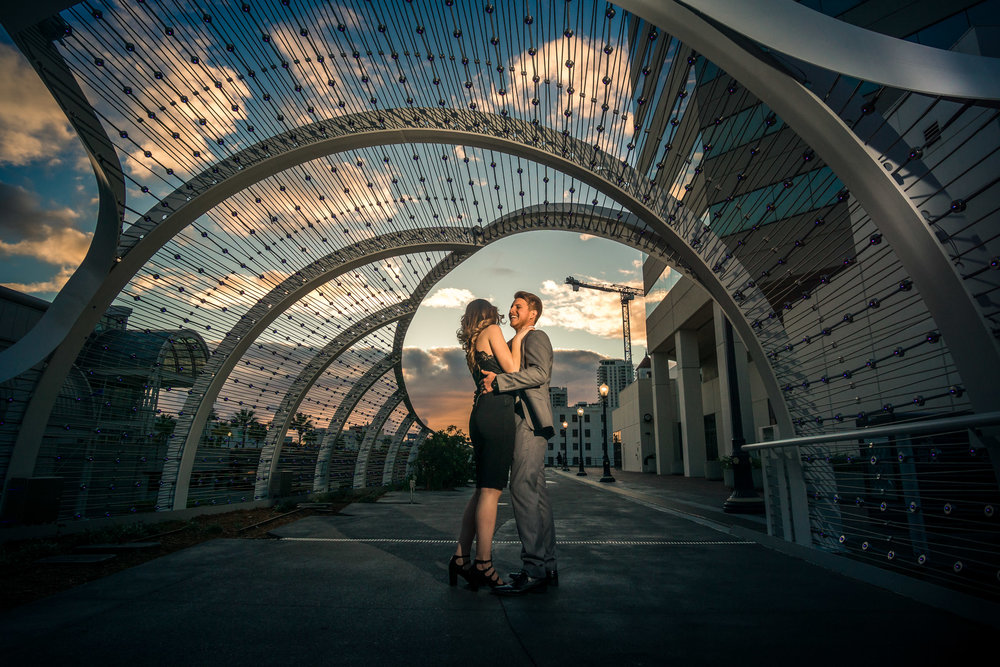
<point x="534" y="303"/>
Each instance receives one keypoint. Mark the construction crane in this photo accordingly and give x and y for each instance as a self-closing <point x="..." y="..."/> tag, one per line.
<point x="627" y="294"/>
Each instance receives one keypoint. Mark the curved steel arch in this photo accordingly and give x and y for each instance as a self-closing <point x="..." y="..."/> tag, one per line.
<point x="215" y="184"/>
<point x="282" y="419"/>
<point x="826" y="134"/>
<point x="397" y="440"/>
<point x="974" y="349"/>
<point x="321" y="481"/>
<point x="87" y="279"/>
<point x="180" y="456"/>
<point x="824" y="41"/>
<point x="213" y="376"/>
<point x="374" y="428"/>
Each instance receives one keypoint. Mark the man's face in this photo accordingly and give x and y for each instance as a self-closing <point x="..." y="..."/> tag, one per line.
<point x="520" y="316"/>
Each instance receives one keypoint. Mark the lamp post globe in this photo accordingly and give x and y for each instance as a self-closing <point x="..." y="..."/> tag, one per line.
<point x="603" y="390"/>
<point x="579" y="414"/>
<point x="565" y="425"/>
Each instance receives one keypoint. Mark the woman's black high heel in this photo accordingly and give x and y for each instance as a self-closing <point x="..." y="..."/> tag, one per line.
<point x="487" y="576"/>
<point x="465" y="571"/>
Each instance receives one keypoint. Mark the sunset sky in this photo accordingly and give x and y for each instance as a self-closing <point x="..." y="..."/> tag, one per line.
<point x="48" y="209"/>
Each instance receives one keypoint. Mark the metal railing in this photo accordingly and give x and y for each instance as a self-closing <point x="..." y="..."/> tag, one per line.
<point x="918" y="498"/>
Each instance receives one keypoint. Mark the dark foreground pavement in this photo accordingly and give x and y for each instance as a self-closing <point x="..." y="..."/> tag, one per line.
<point x="649" y="576"/>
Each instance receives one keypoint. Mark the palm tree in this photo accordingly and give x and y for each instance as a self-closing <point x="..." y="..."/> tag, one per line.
<point x="243" y="419"/>
<point x="258" y="432"/>
<point x="301" y="424"/>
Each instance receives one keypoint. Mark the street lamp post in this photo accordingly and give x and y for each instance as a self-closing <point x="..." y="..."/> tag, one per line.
<point x="579" y="414"/>
<point x="603" y="389"/>
<point x="565" y="425"/>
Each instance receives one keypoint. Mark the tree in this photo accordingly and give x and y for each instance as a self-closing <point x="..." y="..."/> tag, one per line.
<point x="258" y="432"/>
<point x="163" y="427"/>
<point x="444" y="461"/>
<point x="301" y="424"/>
<point x="243" y="419"/>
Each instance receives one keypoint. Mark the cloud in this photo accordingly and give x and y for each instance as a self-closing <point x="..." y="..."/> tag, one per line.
<point x="595" y="312"/>
<point x="62" y="247"/>
<point x="32" y="126"/>
<point x="21" y="214"/>
<point x="440" y="385"/>
<point x="29" y="230"/>
<point x="449" y="297"/>
<point x="50" y="286"/>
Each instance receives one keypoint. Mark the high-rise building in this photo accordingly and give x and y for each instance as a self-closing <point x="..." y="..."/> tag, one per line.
<point x="617" y="374"/>
<point x="558" y="397"/>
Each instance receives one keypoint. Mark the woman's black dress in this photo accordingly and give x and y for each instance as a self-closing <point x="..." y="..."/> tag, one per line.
<point x="491" y="428"/>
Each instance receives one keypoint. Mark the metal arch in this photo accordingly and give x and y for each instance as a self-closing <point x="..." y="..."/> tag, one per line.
<point x="821" y="40"/>
<point x="374" y="428"/>
<point x="443" y="268"/>
<point x="629" y="229"/>
<point x="228" y="177"/>
<point x="201" y="398"/>
<point x="321" y="481"/>
<point x="178" y="210"/>
<point x="976" y="353"/>
<point x="546" y="146"/>
<point x="281" y="421"/>
<point x="319" y="363"/>
<point x="86" y="280"/>
<point x="57" y="78"/>
<point x="397" y="440"/>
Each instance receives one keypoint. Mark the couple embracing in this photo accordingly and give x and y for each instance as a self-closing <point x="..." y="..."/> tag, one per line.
<point x="510" y="424"/>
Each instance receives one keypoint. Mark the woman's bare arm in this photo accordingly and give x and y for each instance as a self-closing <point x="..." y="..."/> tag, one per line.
<point x="498" y="348"/>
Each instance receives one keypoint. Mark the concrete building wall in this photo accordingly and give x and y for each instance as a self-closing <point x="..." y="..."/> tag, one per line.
<point x="692" y="419"/>
<point x="635" y="427"/>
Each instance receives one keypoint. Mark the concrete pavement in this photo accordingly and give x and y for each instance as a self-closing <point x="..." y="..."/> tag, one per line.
<point x="649" y="576"/>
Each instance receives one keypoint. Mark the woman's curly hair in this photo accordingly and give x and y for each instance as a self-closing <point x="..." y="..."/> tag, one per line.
<point x="479" y="314"/>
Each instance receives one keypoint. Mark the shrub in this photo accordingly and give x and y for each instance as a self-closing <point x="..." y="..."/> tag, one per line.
<point x="445" y="460"/>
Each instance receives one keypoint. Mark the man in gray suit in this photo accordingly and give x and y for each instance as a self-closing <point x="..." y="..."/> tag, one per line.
<point x="532" y="427"/>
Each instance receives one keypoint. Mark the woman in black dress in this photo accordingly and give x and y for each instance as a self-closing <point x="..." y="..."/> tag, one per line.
<point x="491" y="428"/>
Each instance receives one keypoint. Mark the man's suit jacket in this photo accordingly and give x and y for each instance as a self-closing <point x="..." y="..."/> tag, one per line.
<point x="531" y="383"/>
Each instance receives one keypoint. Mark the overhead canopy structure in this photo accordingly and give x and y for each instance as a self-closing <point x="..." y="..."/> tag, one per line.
<point x="287" y="181"/>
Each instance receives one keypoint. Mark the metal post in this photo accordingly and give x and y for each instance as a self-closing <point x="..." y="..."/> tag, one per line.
<point x="744" y="500"/>
<point x="565" y="467"/>
<point x="579" y="415"/>
<point x="604" y="433"/>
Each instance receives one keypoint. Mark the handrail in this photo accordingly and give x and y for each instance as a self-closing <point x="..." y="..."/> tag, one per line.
<point x="910" y="428"/>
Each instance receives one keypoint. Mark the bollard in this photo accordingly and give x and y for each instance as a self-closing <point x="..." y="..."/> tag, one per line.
<point x="413" y="486"/>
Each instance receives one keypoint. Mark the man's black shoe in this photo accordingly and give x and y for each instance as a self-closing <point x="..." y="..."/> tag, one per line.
<point x="521" y="584"/>
<point x="551" y="576"/>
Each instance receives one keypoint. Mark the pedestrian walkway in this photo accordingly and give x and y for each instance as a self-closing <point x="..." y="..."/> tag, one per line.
<point x="643" y="581"/>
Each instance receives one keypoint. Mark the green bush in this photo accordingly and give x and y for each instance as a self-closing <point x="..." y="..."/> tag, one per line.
<point x="445" y="460"/>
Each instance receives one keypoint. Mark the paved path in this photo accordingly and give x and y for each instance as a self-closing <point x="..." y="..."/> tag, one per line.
<point x="642" y="583"/>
